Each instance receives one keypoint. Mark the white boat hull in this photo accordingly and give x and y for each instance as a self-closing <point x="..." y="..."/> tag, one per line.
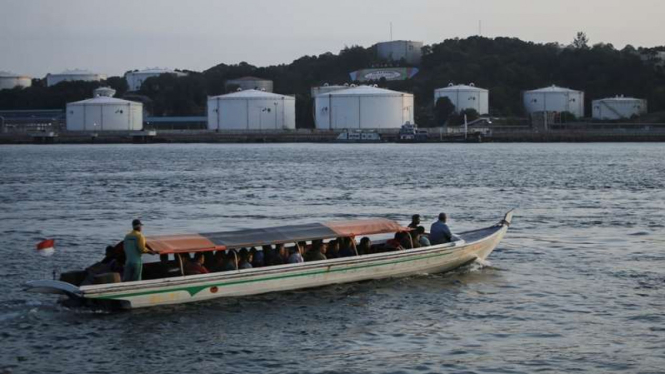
<point x="434" y="259"/>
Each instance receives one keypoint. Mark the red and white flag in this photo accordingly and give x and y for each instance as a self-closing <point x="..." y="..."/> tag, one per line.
<point x="46" y="247"/>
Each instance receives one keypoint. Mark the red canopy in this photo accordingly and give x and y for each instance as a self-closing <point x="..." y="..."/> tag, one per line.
<point x="268" y="236"/>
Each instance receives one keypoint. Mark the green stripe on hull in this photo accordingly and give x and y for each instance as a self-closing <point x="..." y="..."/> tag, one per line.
<point x="193" y="290"/>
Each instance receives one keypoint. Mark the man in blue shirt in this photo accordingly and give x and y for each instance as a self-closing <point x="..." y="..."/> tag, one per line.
<point x="440" y="232"/>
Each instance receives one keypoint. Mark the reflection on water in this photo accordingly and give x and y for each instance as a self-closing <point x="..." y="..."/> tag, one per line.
<point x="577" y="284"/>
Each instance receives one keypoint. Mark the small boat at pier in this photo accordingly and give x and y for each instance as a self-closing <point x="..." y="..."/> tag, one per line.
<point x="466" y="248"/>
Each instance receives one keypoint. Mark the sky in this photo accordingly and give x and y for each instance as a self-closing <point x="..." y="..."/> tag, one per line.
<point x="110" y="37"/>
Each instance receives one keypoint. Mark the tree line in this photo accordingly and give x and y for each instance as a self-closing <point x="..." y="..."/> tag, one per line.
<point x="505" y="66"/>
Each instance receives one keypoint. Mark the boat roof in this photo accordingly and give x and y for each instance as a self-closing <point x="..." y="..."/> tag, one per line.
<point x="217" y="241"/>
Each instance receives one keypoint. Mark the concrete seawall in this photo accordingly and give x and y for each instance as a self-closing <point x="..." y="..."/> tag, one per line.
<point x="315" y="136"/>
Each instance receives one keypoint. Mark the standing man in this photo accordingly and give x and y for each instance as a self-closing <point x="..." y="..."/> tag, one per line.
<point x="440" y="232"/>
<point x="415" y="221"/>
<point x="134" y="248"/>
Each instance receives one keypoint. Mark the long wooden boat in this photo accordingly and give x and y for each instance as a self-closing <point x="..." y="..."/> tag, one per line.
<point x="469" y="247"/>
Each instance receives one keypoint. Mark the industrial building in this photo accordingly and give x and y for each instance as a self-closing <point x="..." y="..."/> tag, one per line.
<point x="10" y="80"/>
<point x="397" y="50"/>
<point x="251" y="110"/>
<point x="73" y="75"/>
<point x="104" y="113"/>
<point x="554" y="99"/>
<point x="465" y="97"/>
<point x="363" y="107"/>
<point x="249" y="83"/>
<point x="316" y="91"/>
<point x="616" y="108"/>
<point x="136" y="78"/>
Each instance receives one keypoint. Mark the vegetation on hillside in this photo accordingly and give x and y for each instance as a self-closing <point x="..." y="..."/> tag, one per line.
<point x="505" y="66"/>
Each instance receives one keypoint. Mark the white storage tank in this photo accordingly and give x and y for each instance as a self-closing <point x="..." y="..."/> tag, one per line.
<point x="10" y="80"/>
<point x="250" y="83"/>
<point x="73" y="75"/>
<point x="397" y="50"/>
<point x="615" y="108"/>
<point x="136" y="78"/>
<point x="251" y="110"/>
<point x="316" y="91"/>
<point x="554" y="99"/>
<point x="465" y="97"/>
<point x="104" y="113"/>
<point x="363" y="107"/>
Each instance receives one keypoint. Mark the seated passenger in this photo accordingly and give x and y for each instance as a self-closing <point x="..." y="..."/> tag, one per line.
<point x="193" y="267"/>
<point x="282" y="255"/>
<point x="269" y="255"/>
<point x="395" y="244"/>
<point x="231" y="261"/>
<point x="405" y="240"/>
<point x="316" y="252"/>
<point x="332" y="250"/>
<point x="217" y="262"/>
<point x="365" y="246"/>
<point x="258" y="258"/>
<point x="440" y="232"/>
<point x="422" y="238"/>
<point x="346" y="248"/>
<point x="413" y="234"/>
<point x="415" y="221"/>
<point x="294" y="255"/>
<point x="245" y="261"/>
<point x="109" y="264"/>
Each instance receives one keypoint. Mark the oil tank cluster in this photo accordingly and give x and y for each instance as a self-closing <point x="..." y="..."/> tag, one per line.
<point x="251" y="110"/>
<point x="136" y="78"/>
<point x="249" y="83"/>
<point x="397" y="50"/>
<point x="554" y="99"/>
<point x="363" y="107"/>
<point x="73" y="75"/>
<point x="616" y="108"/>
<point x="104" y="113"/>
<point x="465" y="97"/>
<point x="10" y="80"/>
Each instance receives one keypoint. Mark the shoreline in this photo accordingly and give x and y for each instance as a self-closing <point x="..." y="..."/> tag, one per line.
<point x="308" y="136"/>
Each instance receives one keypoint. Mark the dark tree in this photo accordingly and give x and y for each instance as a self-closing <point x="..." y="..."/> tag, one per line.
<point x="581" y="41"/>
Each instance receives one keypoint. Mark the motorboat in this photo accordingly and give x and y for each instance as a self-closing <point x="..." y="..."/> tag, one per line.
<point x="178" y="288"/>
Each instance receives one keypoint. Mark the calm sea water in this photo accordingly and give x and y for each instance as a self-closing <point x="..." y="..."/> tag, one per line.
<point x="578" y="284"/>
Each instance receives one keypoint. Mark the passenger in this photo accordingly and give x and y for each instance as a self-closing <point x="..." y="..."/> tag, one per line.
<point x="294" y="255"/>
<point x="395" y="244"/>
<point x="135" y="247"/>
<point x="193" y="267"/>
<point x="415" y="221"/>
<point x="346" y="249"/>
<point x="269" y="255"/>
<point x="302" y="247"/>
<point x="332" y="250"/>
<point x="217" y="262"/>
<point x="109" y="264"/>
<point x="316" y="252"/>
<point x="413" y="234"/>
<point x="405" y="240"/>
<point x="422" y="238"/>
<point x="231" y="261"/>
<point x="245" y="259"/>
<point x="440" y="232"/>
<point x="365" y="246"/>
<point x="258" y="258"/>
<point x="282" y="255"/>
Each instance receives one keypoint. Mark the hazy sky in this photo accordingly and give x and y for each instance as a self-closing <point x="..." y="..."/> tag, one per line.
<point x="42" y="36"/>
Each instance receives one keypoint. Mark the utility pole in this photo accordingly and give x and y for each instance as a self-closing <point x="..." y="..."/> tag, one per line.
<point x="391" y="31"/>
